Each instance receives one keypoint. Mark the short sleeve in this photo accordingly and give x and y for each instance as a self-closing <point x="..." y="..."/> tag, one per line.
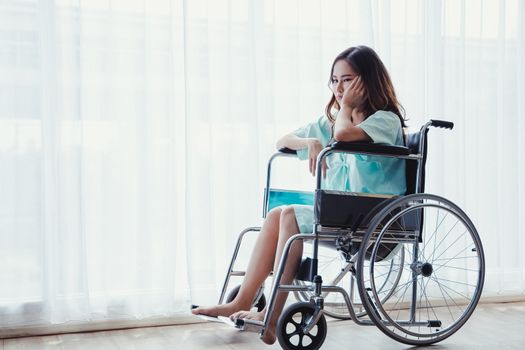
<point x="382" y="127"/>
<point x="319" y="129"/>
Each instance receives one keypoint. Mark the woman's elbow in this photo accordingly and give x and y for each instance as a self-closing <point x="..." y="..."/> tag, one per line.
<point x="351" y="134"/>
<point x="340" y="135"/>
<point x="279" y="144"/>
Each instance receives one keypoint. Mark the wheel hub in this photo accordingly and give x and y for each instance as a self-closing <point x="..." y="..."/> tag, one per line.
<point x="424" y="269"/>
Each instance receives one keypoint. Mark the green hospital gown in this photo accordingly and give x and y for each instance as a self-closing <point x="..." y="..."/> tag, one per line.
<point x="356" y="173"/>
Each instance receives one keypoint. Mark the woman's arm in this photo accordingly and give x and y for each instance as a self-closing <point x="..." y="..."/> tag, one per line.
<point x="295" y="142"/>
<point x="344" y="128"/>
<point x="349" y="116"/>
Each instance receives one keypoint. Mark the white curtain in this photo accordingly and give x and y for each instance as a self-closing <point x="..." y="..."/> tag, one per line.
<point x="134" y="135"/>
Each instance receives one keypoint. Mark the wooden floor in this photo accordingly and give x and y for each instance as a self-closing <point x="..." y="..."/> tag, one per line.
<point x="492" y="326"/>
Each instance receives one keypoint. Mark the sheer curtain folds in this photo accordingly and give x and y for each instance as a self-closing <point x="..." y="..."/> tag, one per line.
<point x="134" y="136"/>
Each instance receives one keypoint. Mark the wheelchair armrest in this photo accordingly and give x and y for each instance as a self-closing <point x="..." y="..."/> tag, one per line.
<point x="287" y="150"/>
<point x="370" y="148"/>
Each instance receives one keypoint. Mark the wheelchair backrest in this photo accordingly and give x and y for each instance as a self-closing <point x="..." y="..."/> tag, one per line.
<point x="416" y="142"/>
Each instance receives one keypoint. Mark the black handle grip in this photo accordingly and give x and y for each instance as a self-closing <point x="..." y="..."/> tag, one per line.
<point x="441" y="124"/>
<point x="287" y="150"/>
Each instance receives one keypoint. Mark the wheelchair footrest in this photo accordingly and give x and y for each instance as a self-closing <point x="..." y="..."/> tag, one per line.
<point x="249" y="325"/>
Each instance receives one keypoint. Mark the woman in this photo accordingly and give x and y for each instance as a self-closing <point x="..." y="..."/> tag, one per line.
<point x="366" y="109"/>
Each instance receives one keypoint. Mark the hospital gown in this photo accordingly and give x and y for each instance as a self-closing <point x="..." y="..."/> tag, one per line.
<point x="356" y="173"/>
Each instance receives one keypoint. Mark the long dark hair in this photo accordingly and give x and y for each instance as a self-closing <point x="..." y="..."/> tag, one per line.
<point x="380" y="94"/>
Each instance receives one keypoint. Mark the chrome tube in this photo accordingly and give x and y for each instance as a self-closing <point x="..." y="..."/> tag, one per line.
<point x="278" y="274"/>
<point x="280" y="270"/>
<point x="234" y="257"/>
<point x="268" y="179"/>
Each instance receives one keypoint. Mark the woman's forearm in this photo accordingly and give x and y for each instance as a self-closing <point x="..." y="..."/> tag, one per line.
<point x="344" y="128"/>
<point x="294" y="142"/>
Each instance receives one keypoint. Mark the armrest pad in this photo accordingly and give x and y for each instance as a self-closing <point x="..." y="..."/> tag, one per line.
<point x="287" y="150"/>
<point x="370" y="147"/>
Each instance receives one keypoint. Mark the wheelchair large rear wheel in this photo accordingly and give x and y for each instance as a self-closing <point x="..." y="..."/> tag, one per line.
<point x="337" y="270"/>
<point x="443" y="269"/>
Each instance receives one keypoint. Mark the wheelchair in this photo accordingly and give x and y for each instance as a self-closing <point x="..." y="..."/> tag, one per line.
<point x="412" y="265"/>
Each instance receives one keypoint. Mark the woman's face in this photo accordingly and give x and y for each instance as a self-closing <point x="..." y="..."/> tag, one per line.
<point x="342" y="77"/>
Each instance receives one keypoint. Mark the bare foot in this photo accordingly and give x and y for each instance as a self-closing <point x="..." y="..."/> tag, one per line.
<point x="217" y="310"/>
<point x="248" y="315"/>
<point x="269" y="335"/>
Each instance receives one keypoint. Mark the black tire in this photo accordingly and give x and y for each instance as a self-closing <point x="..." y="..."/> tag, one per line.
<point x="259" y="303"/>
<point x="291" y="325"/>
<point x="444" y="269"/>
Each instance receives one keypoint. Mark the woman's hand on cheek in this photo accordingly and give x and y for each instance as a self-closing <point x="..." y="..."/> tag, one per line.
<point x="354" y="94"/>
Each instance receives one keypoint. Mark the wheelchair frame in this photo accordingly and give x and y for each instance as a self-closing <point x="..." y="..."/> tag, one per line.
<point x="368" y="240"/>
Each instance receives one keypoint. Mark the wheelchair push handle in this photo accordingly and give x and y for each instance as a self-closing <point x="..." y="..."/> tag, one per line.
<point x="441" y="124"/>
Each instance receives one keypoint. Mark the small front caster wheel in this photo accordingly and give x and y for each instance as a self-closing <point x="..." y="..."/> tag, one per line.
<point x="259" y="303"/>
<point x="291" y="325"/>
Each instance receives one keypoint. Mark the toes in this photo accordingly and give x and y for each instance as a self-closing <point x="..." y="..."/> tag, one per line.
<point x="258" y="315"/>
<point x="207" y="311"/>
<point x="238" y="315"/>
<point x="252" y="316"/>
<point x="248" y="315"/>
<point x="197" y="311"/>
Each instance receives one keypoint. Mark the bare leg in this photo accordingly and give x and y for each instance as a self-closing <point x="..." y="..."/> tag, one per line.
<point x="288" y="228"/>
<point x="258" y="269"/>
